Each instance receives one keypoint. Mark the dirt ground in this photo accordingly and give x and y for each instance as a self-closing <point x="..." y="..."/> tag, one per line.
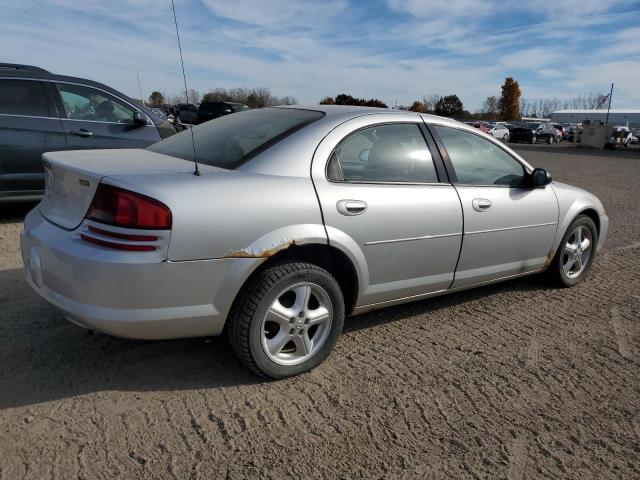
<point x="516" y="380"/>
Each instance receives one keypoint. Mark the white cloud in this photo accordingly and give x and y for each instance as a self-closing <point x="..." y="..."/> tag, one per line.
<point x="312" y="49"/>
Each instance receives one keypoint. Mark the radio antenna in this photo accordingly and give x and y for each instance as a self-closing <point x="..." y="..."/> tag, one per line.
<point x="186" y="90"/>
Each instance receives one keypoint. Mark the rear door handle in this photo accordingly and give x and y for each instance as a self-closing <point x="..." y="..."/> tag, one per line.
<point x="480" y="204"/>
<point x="81" y="133"/>
<point x="351" y="207"/>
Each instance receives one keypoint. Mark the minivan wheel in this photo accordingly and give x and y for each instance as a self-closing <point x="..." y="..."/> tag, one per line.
<point x="286" y="320"/>
<point x="575" y="253"/>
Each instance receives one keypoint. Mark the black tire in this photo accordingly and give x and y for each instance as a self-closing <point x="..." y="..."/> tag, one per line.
<point x="550" y="140"/>
<point x="556" y="272"/>
<point x="534" y="139"/>
<point x="245" y="319"/>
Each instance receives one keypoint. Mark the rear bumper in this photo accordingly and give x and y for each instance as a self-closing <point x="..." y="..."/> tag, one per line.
<point x="127" y="294"/>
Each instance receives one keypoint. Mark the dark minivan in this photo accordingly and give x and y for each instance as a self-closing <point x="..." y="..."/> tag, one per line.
<point x="42" y="112"/>
<point x="210" y="110"/>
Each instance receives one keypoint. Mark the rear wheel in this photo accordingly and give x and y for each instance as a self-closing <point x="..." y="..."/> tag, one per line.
<point x="287" y="320"/>
<point x="575" y="254"/>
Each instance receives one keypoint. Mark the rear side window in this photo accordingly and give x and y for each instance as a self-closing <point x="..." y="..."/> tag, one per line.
<point x="23" y="97"/>
<point x="229" y="141"/>
<point x="384" y="153"/>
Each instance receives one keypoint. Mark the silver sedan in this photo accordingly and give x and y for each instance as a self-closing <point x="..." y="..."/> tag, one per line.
<point x="291" y="219"/>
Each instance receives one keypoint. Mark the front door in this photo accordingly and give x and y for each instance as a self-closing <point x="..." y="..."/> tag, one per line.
<point x="509" y="226"/>
<point x="96" y="119"/>
<point x="380" y="192"/>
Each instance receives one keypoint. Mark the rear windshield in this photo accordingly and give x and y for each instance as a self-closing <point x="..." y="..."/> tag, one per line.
<point x="229" y="141"/>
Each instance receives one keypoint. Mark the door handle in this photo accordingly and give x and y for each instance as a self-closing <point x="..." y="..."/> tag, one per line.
<point x="480" y="204"/>
<point x="351" y="207"/>
<point x="81" y="133"/>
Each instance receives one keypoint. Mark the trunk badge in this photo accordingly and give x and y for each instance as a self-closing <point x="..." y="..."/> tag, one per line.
<point x="83" y="182"/>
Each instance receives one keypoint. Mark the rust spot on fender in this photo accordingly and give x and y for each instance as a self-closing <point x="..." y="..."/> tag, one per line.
<point x="264" y="253"/>
<point x="549" y="259"/>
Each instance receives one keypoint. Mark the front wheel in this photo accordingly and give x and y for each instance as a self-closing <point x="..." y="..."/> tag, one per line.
<point x="575" y="254"/>
<point x="287" y="319"/>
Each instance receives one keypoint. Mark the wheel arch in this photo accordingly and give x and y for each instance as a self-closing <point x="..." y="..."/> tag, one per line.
<point x="328" y="257"/>
<point x="593" y="215"/>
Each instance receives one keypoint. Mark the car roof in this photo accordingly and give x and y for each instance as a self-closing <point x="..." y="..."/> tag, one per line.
<point x="339" y="113"/>
<point x="37" y="73"/>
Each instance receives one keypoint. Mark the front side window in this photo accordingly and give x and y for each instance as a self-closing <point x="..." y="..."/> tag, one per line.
<point x="23" y="97"/>
<point x="229" y="141"/>
<point x="478" y="161"/>
<point x="384" y="153"/>
<point x="86" y="103"/>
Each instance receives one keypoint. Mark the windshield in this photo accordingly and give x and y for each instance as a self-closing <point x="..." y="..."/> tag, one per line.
<point x="229" y="141"/>
<point x="532" y="126"/>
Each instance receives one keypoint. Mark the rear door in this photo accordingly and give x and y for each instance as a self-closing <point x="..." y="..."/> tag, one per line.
<point x="509" y="226"/>
<point x="29" y="126"/>
<point x="93" y="118"/>
<point x="381" y="194"/>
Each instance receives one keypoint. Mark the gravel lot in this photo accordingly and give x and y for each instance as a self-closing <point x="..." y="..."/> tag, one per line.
<point x="514" y="381"/>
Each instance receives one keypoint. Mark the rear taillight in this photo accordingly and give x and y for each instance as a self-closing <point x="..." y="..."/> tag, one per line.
<point x="122" y="208"/>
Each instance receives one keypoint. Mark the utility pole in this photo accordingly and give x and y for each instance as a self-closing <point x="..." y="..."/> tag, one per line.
<point x="140" y="87"/>
<point x="606" y="122"/>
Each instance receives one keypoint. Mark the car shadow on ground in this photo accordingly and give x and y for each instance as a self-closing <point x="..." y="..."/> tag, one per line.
<point x="43" y="357"/>
<point x="14" y="212"/>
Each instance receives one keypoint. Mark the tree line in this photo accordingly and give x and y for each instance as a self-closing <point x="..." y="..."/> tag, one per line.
<point x="507" y="106"/>
<point x="251" y="97"/>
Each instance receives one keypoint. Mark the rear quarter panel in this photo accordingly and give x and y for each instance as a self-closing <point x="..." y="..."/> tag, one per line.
<point x="233" y="214"/>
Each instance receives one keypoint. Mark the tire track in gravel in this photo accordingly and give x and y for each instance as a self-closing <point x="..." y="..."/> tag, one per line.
<point x="443" y="388"/>
<point x="621" y="333"/>
<point x="517" y="460"/>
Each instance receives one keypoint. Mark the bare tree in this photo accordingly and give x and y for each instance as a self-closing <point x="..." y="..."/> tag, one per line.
<point x="430" y="101"/>
<point x="491" y="108"/>
<point x="254" y="97"/>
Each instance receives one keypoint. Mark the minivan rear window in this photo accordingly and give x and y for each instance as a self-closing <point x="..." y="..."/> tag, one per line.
<point x="230" y="141"/>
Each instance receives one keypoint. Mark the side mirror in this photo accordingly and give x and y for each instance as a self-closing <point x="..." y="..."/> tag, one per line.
<point x="139" y="120"/>
<point x="540" y="177"/>
<point x="364" y="155"/>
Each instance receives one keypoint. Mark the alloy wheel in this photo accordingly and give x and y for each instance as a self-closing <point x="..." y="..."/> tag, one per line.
<point x="577" y="252"/>
<point x="297" y="324"/>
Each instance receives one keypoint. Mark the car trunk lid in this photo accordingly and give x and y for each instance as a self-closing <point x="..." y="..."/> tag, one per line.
<point x="72" y="177"/>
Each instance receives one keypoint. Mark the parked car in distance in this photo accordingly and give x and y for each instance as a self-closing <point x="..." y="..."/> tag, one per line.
<point x="532" y="132"/>
<point x="560" y="131"/>
<point x="159" y="112"/>
<point x="42" y="112"/>
<point x="187" y="113"/>
<point x="623" y="135"/>
<point x="481" y="126"/>
<point x="498" y="130"/>
<point x="210" y="110"/>
<point x="299" y="216"/>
